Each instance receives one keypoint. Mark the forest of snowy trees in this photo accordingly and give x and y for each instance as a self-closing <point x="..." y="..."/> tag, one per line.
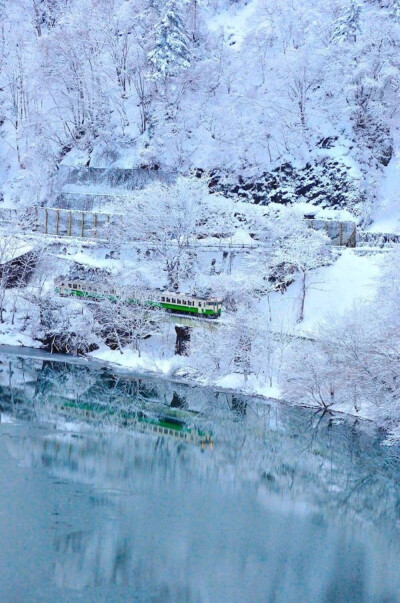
<point x="242" y="89"/>
<point x="247" y="114"/>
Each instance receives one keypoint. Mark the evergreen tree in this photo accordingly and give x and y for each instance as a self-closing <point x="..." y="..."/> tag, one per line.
<point x="348" y="24"/>
<point x="171" y="53"/>
<point x="395" y="9"/>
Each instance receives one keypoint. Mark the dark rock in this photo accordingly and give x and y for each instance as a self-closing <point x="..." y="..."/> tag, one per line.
<point x="182" y="340"/>
<point x="57" y="344"/>
<point x="328" y="142"/>
<point x="178" y="401"/>
<point x="324" y="181"/>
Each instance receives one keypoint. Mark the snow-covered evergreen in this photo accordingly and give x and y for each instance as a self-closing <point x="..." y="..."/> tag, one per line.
<point x="395" y="9"/>
<point x="347" y="26"/>
<point x="171" y="52"/>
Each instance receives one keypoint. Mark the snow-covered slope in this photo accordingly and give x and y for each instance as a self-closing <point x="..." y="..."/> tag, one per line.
<point x="284" y="99"/>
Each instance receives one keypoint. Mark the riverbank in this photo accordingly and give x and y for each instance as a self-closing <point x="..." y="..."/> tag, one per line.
<point x="178" y="369"/>
<point x="175" y="369"/>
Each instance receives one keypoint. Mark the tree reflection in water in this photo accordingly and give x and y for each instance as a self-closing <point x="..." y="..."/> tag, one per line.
<point x="287" y="505"/>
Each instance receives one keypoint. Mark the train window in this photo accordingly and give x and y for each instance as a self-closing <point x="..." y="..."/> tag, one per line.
<point x="173" y="300"/>
<point x="74" y="286"/>
<point x="178" y="301"/>
<point x="184" y="302"/>
<point x="163" y="299"/>
<point x="199" y="304"/>
<point x="168" y="299"/>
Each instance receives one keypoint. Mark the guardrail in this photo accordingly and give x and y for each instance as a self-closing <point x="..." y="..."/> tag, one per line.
<point x="97" y="225"/>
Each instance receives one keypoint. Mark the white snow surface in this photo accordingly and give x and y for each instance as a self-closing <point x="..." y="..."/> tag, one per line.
<point x="337" y="288"/>
<point x="386" y="216"/>
<point x="332" y="290"/>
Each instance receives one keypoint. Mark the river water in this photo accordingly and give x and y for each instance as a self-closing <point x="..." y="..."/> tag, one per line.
<point x="118" y="489"/>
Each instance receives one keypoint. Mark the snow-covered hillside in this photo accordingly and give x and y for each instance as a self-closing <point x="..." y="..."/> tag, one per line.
<point x="279" y="100"/>
<point x="208" y="148"/>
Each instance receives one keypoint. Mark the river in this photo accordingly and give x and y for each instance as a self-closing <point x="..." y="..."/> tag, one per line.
<point x="131" y="489"/>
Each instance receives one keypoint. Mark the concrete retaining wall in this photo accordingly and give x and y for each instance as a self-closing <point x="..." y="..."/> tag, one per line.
<point x="340" y="233"/>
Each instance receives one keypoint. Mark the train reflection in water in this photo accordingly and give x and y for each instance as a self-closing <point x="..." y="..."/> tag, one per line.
<point x="164" y="425"/>
<point x="49" y="392"/>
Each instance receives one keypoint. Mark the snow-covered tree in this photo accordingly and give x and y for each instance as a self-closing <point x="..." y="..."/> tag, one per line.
<point x="301" y="249"/>
<point x="355" y="358"/>
<point x="171" y="218"/>
<point x="171" y="53"/>
<point x="395" y="9"/>
<point x="64" y="326"/>
<point x="243" y="345"/>
<point x="128" y="320"/>
<point x="348" y="24"/>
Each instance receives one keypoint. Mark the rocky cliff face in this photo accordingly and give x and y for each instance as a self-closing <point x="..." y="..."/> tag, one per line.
<point x="326" y="182"/>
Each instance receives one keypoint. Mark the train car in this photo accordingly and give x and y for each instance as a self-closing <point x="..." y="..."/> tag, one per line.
<point x="201" y="306"/>
<point x="85" y="290"/>
<point x="206" y="307"/>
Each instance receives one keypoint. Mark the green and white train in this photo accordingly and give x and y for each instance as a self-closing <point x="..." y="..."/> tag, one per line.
<point x="206" y="307"/>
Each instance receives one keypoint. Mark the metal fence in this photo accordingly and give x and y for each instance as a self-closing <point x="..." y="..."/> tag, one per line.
<point x="73" y="223"/>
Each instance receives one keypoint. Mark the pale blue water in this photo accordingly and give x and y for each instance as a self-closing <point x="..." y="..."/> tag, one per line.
<point x="285" y="506"/>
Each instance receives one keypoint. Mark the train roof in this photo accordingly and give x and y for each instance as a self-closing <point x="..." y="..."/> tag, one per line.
<point x="190" y="296"/>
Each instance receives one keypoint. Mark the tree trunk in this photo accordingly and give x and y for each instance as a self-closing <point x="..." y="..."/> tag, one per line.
<point x="303" y="296"/>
